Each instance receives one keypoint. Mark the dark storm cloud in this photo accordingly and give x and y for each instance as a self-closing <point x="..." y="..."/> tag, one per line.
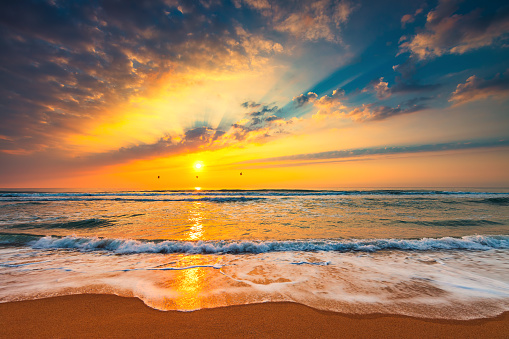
<point x="391" y="150"/>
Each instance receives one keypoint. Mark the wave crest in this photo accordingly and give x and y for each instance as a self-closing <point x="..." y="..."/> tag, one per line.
<point x="124" y="246"/>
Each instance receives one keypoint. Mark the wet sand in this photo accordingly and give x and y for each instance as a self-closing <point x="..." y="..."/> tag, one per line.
<point x="94" y="316"/>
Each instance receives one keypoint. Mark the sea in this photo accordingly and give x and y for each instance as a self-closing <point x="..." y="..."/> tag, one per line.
<point x="428" y="253"/>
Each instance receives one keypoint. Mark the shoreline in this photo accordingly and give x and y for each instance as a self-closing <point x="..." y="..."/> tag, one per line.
<point x="98" y="315"/>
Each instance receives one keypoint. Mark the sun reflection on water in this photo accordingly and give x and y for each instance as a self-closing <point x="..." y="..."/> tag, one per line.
<point x="189" y="285"/>
<point x="196" y="219"/>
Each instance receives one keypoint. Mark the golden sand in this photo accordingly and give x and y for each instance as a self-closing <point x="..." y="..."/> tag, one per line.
<point x="94" y="316"/>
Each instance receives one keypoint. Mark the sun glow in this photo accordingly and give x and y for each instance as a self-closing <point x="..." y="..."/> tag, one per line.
<point x="198" y="166"/>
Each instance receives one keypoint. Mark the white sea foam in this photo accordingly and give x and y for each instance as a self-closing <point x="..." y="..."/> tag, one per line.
<point x="123" y="246"/>
<point x="447" y="285"/>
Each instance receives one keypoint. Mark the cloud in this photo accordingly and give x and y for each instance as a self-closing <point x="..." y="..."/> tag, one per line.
<point x="389" y="150"/>
<point x="407" y="85"/>
<point x="265" y="109"/>
<point x="199" y="134"/>
<point x="303" y="99"/>
<point x="254" y="47"/>
<point x="239" y="134"/>
<point x="476" y="88"/>
<point x="330" y="105"/>
<point x="257" y="126"/>
<point x="59" y="163"/>
<point x="250" y="104"/>
<point x="165" y="146"/>
<point x="409" y="18"/>
<point x="273" y="118"/>
<point x="313" y="20"/>
<point x="380" y="87"/>
<point x="191" y="140"/>
<point x="369" y="113"/>
<point x="334" y="106"/>
<point x="449" y="32"/>
<point x="67" y="65"/>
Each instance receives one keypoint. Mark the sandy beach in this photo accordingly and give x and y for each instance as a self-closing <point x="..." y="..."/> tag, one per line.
<point x="112" y="316"/>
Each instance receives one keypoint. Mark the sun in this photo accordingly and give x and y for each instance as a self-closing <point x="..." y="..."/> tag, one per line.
<point x="198" y="166"/>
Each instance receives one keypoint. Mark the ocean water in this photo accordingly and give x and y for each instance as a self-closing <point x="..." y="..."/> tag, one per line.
<point x="425" y="253"/>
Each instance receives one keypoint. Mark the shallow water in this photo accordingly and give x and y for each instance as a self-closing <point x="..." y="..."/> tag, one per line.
<point x="438" y="254"/>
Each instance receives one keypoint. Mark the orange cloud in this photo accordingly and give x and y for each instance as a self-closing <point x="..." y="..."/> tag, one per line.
<point x="479" y="89"/>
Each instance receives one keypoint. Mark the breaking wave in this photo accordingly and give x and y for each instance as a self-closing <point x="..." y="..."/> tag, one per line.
<point x="125" y="246"/>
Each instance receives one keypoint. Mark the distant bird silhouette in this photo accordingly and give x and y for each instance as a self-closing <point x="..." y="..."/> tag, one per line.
<point x="240" y="173"/>
<point x="196" y="177"/>
<point x="157" y="177"/>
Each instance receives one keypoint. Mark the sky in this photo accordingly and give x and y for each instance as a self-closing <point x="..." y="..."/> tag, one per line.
<point x="292" y="94"/>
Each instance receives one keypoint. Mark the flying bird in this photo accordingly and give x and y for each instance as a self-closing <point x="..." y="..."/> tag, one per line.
<point x="240" y="173"/>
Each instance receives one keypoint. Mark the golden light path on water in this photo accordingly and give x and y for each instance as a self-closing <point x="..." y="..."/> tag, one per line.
<point x="184" y="286"/>
<point x="190" y="282"/>
<point x="196" y="221"/>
